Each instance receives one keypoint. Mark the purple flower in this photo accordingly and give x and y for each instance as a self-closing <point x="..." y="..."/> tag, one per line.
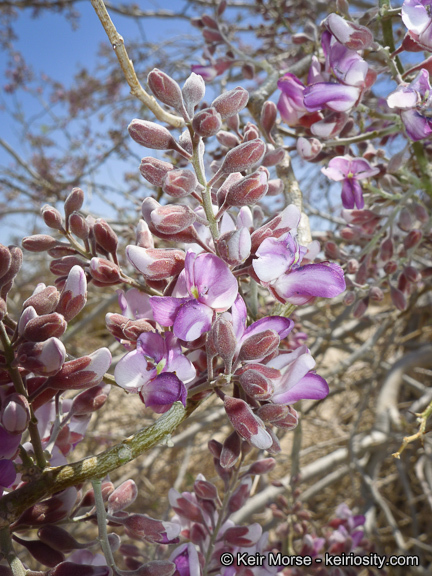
<point x="297" y="381"/>
<point x="157" y="370"/>
<point x="412" y="101"/>
<point x="350" y="170"/>
<point x="330" y="95"/>
<point x="278" y="266"/>
<point x="416" y="15"/>
<point x="135" y="304"/>
<point x="291" y="105"/>
<point x="206" y="285"/>
<point x="186" y="560"/>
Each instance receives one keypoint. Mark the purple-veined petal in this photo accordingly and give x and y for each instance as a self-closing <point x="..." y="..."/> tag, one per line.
<point x="152" y="345"/>
<point x="135" y="304"/>
<point x="192" y="320"/>
<point x="131" y="372"/>
<point x="163" y="391"/>
<point x="274" y="258"/>
<point x="239" y="316"/>
<point x="348" y="199"/>
<point x="324" y="280"/>
<point x="335" y="97"/>
<point x="177" y="361"/>
<point x="415" y="16"/>
<point x="7" y="473"/>
<point x="403" y="98"/>
<point x="165" y="308"/>
<point x="310" y="387"/>
<point x="417" y="126"/>
<point x="216" y="285"/>
<point x="279" y="324"/>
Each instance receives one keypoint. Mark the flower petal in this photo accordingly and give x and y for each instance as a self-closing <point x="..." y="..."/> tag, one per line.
<point x="165" y="308"/>
<point x="163" y="391"/>
<point x="131" y="372"/>
<point x="193" y="320"/>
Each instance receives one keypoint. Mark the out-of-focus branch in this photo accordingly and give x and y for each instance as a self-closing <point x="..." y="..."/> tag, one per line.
<point x="126" y="64"/>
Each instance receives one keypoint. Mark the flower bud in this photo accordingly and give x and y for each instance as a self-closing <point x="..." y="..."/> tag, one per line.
<point x="172" y="218"/>
<point x="349" y="298"/>
<point x="361" y="307"/>
<point x="273" y="156"/>
<point x="105" y="236"/>
<point x="412" y="239"/>
<point x="250" y="190"/>
<point x="165" y="89"/>
<point x="256" y="385"/>
<point x="51" y="510"/>
<point x="42" y="358"/>
<point x="186" y="142"/>
<point x="243" y="535"/>
<point x="38" y="243"/>
<point x="268" y="118"/>
<point x="90" y="400"/>
<point x="79" y="226"/>
<point x="235" y="246"/>
<point x="259" y="345"/>
<point x="262" y="466"/>
<point x="390" y="267"/>
<point x="386" y="249"/>
<point x="15" y="414"/>
<point x="149" y="207"/>
<point x="104" y="271"/>
<point x="205" y="490"/>
<point x="74" y="294"/>
<point x="247" y="425"/>
<point x="43" y="301"/>
<point x="156" y="263"/>
<point x="362" y="274"/>
<point x="275" y="187"/>
<point x="62" y="266"/>
<point x="231" y="450"/>
<point x="207" y="122"/>
<point x="155" y="170"/>
<point x="231" y="102"/>
<point x="227" y="139"/>
<point x="240" y="495"/>
<point x="405" y="221"/>
<point x="179" y="183"/>
<point x="224" y="340"/>
<point x="73" y="569"/>
<point x="353" y="36"/>
<point x="73" y="202"/>
<point x="251" y="132"/>
<point x="226" y="185"/>
<point x="143" y="527"/>
<point x="212" y="36"/>
<point x="193" y="92"/>
<point x="243" y="157"/>
<point x="41" y="552"/>
<point x="58" y="538"/>
<point x="43" y="327"/>
<point x="332" y="251"/>
<point x="398" y="298"/>
<point x="6" y="281"/>
<point x="412" y="274"/>
<point x="52" y="217"/>
<point x="134" y="328"/>
<point x="144" y="238"/>
<point x="376" y="294"/>
<point x="421" y="213"/>
<point x="308" y="148"/>
<point x="83" y="372"/>
<point x="122" y="497"/>
<point x="151" y="135"/>
<point x="5" y="258"/>
<point x="332" y="125"/>
<point x="209" y="21"/>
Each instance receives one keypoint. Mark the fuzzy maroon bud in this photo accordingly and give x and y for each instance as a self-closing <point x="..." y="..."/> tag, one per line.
<point x="79" y="226"/>
<point x="105" y="236"/>
<point x="227" y="139"/>
<point x="6" y="281"/>
<point x="273" y="156"/>
<point x="155" y="170"/>
<point x="362" y="274"/>
<point x="268" y="118"/>
<point x="349" y="298"/>
<point x="259" y="345"/>
<point x="58" y="538"/>
<point x="62" y="266"/>
<point x="151" y="135"/>
<point x="49" y="511"/>
<point x="134" y="328"/>
<point x="412" y="274"/>
<point x="226" y="185"/>
<point x="74" y="294"/>
<point x="249" y="190"/>
<point x="179" y="183"/>
<point x="104" y="271"/>
<point x="235" y="246"/>
<point x="412" y="239"/>
<point x="262" y="466"/>
<point x="398" y="298"/>
<point x="231" y="450"/>
<point x="361" y="307"/>
<point x="209" y="21"/>
<point x="148" y="209"/>
<point x="90" y="400"/>
<point x="205" y="490"/>
<point x="421" y="213"/>
<point x="207" y="122"/>
<point x="308" y="148"/>
<point x="230" y="103"/>
<point x="41" y="552"/>
<point x="243" y="157"/>
<point x="240" y="495"/>
<point x="390" y="267"/>
<point x="172" y="218"/>
<point x="15" y="414"/>
<point x="144" y="238"/>
<point x="43" y="327"/>
<point x="275" y="187"/>
<point x="122" y="497"/>
<point x="193" y="92"/>
<point x="143" y="527"/>
<point x="165" y="89"/>
<point x="273" y="412"/>
<point x="38" y="243"/>
<point x="43" y="358"/>
<point x="73" y="202"/>
<point x="82" y="372"/>
<point x="243" y="535"/>
<point x="186" y="142"/>
<point x="60" y="250"/>
<point x="376" y="294"/>
<point x="332" y="250"/>
<point x="52" y="217"/>
<point x="156" y="263"/>
<point x="256" y="385"/>
<point x="224" y="340"/>
<point x="386" y="250"/>
<point x="246" y="423"/>
<point x="348" y="233"/>
<point x="6" y="259"/>
<point x="405" y="221"/>
<point x="212" y="36"/>
<point x="43" y="300"/>
<point x="251" y="132"/>
<point x="73" y="569"/>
